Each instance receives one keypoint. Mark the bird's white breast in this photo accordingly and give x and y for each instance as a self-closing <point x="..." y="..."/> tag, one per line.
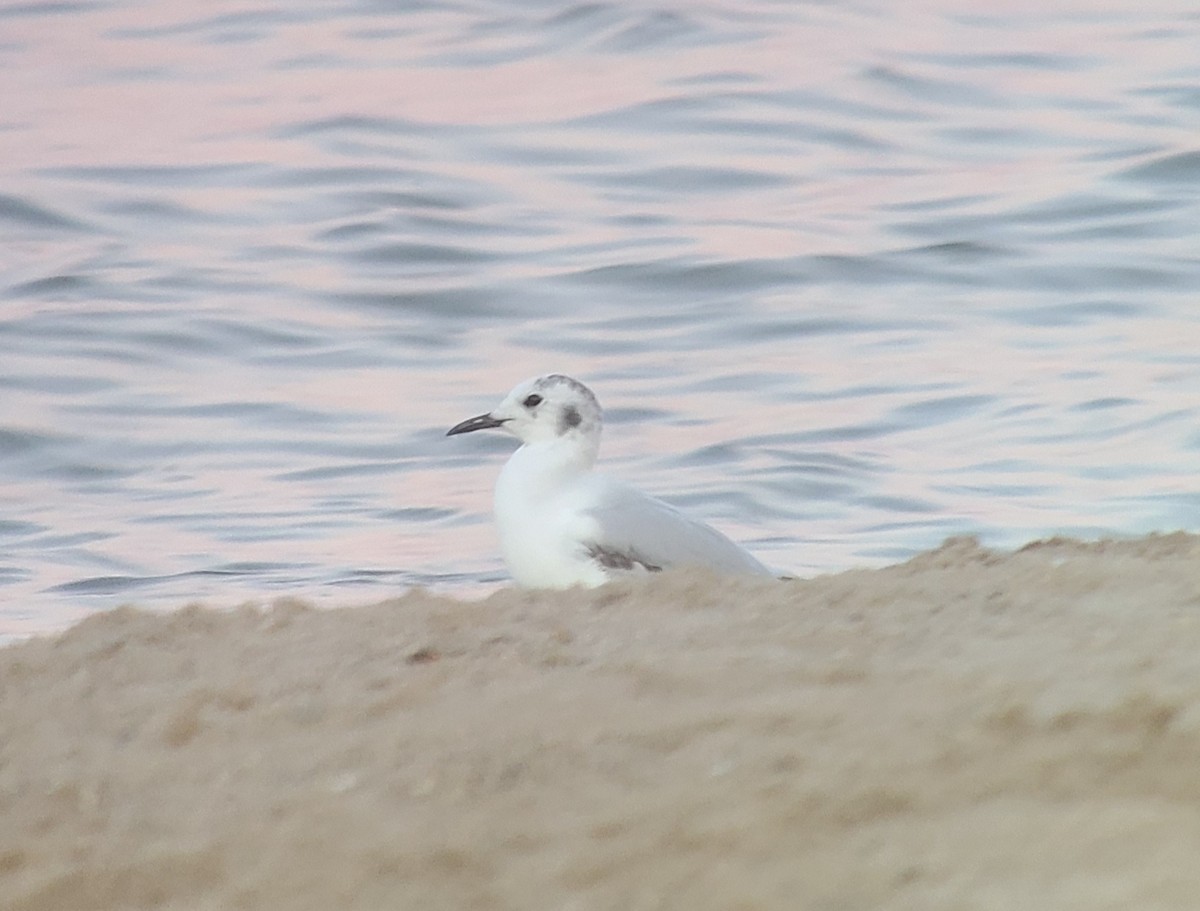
<point x="543" y="521"/>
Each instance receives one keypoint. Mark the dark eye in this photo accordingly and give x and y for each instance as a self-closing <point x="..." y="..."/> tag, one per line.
<point x="532" y="401"/>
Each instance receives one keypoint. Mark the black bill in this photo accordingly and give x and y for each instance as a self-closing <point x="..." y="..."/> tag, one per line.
<point x="479" y="422"/>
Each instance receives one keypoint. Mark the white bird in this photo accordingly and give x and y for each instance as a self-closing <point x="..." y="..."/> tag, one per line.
<point x="560" y="523"/>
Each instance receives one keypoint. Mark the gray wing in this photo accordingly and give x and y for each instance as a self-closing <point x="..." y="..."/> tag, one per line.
<point x="631" y="529"/>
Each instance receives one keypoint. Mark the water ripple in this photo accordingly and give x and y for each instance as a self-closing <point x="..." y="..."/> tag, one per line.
<point x="846" y="280"/>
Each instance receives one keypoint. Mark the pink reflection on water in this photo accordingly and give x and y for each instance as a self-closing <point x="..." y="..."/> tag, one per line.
<point x="135" y="86"/>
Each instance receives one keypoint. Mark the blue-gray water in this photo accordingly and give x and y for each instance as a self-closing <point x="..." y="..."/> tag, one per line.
<point x="849" y="278"/>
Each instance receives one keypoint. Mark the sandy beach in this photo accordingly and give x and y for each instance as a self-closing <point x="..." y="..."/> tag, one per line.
<point x="967" y="730"/>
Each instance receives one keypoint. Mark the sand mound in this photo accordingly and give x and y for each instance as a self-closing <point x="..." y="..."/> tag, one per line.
<point x="968" y="730"/>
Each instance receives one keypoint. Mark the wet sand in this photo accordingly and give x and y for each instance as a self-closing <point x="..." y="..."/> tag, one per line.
<point x="968" y="730"/>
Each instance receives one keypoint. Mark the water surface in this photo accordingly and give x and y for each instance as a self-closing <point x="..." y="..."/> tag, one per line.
<point x="848" y="278"/>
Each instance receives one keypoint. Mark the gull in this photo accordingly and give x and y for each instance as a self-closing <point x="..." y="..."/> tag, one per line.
<point x="562" y="524"/>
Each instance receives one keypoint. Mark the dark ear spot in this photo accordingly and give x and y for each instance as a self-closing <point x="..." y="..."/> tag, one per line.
<point x="568" y="418"/>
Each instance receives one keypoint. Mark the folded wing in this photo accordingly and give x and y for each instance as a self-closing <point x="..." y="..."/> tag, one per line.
<point x="629" y="530"/>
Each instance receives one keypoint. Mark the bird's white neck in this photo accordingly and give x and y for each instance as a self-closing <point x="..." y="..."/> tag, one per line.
<point x="547" y="464"/>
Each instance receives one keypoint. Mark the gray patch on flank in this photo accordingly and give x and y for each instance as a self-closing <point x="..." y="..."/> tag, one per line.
<point x="615" y="559"/>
